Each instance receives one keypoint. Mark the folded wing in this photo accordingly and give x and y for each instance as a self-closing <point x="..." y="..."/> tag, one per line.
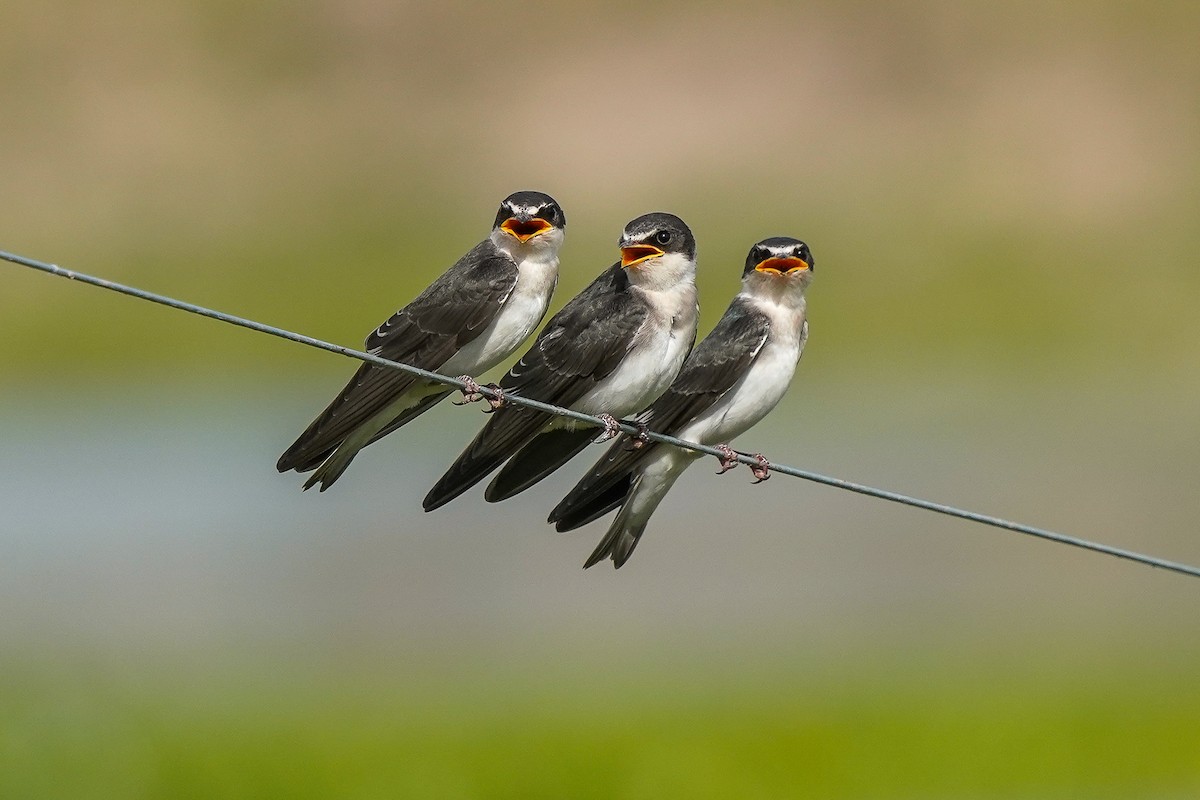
<point x="579" y="347"/>
<point x="446" y="316"/>
<point x="715" y="366"/>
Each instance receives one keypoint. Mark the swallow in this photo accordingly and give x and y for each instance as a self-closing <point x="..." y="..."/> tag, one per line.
<point x="733" y="379"/>
<point x="612" y="349"/>
<point x="471" y="318"/>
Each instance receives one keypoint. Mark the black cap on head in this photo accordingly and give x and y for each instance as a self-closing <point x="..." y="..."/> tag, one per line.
<point x="525" y="207"/>
<point x="779" y="254"/>
<point x="661" y="232"/>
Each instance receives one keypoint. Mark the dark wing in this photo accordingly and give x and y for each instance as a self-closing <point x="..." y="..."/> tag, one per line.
<point x="548" y="450"/>
<point x="451" y="312"/>
<point x="712" y="369"/>
<point x="544" y="454"/>
<point x="423" y="405"/>
<point x="580" y="346"/>
<point x="717" y="363"/>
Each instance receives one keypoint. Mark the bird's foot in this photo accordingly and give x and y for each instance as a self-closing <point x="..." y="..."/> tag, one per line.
<point x="612" y="428"/>
<point x="728" y="458"/>
<point x="496" y="400"/>
<point x="761" y="470"/>
<point x="639" y="440"/>
<point x="472" y="392"/>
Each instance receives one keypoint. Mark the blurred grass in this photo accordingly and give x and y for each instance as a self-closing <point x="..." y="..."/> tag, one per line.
<point x="961" y="725"/>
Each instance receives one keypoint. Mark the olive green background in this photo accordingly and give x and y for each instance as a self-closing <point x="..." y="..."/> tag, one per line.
<point x="1002" y="200"/>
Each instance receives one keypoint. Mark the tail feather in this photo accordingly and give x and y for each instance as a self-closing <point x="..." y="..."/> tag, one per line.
<point x="506" y="432"/>
<point x="361" y="399"/>
<point x="648" y="488"/>
<point x="301" y="456"/>
<point x="595" y="507"/>
<point x="617" y="544"/>
<point x="408" y="416"/>
<point x="333" y="467"/>
<point x="337" y="462"/>
<point x="547" y="452"/>
<point x="597" y="489"/>
<point x="303" y="462"/>
<point x="331" y="462"/>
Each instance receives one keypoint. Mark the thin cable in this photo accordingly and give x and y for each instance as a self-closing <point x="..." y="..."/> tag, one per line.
<point x="815" y="477"/>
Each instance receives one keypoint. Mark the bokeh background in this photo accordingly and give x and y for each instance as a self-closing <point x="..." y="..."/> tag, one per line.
<point x="1003" y="203"/>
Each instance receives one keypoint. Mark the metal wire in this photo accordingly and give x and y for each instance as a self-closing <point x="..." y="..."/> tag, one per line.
<point x="795" y="472"/>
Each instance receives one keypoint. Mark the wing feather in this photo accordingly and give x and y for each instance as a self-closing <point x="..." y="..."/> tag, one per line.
<point x="713" y="367"/>
<point x="580" y="346"/>
<point x="451" y="312"/>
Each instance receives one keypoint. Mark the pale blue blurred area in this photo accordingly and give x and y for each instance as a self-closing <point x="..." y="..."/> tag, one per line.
<point x="160" y="518"/>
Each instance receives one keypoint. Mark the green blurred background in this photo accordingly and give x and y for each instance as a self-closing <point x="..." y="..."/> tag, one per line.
<point x="1003" y="201"/>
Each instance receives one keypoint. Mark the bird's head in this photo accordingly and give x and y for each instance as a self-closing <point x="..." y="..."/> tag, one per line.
<point x="658" y="250"/>
<point x="780" y="266"/>
<point x="529" y="220"/>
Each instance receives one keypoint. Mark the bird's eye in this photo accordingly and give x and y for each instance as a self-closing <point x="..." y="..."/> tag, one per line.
<point x="662" y="237"/>
<point x="548" y="213"/>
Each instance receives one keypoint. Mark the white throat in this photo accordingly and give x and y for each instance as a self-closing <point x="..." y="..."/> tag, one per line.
<point x="775" y="293"/>
<point x="663" y="273"/>
<point x="542" y="248"/>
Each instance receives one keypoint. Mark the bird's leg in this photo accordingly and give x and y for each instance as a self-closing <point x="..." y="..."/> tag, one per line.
<point x="728" y="457"/>
<point x="470" y="391"/>
<point x="641" y="438"/>
<point x="761" y="470"/>
<point x="496" y="401"/>
<point x="612" y="427"/>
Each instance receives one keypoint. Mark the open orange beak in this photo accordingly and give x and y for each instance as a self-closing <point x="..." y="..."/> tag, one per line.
<point x="634" y="254"/>
<point x="524" y="231"/>
<point x="781" y="266"/>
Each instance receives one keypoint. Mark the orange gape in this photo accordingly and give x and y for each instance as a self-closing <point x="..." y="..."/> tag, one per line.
<point x="524" y="231"/>
<point x="781" y="265"/>
<point x="637" y="253"/>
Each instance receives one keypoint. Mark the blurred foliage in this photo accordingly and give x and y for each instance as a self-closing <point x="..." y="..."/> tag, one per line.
<point x="957" y="726"/>
<point x="1004" y="184"/>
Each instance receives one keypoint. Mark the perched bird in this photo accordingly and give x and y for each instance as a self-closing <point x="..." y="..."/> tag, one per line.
<point x="733" y="378"/>
<point x="612" y="350"/>
<point x="468" y="320"/>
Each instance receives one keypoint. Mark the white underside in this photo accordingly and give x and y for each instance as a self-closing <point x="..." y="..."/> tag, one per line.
<point x="518" y="317"/>
<point x="655" y="359"/>
<point x="752" y="397"/>
<point x="537" y="275"/>
<point x="739" y="409"/>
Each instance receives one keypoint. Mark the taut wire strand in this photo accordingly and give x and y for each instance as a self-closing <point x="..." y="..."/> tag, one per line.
<point x="815" y="477"/>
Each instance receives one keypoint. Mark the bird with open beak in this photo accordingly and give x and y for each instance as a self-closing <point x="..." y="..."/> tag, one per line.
<point x="471" y="318"/>
<point x="612" y="350"/>
<point x="733" y="379"/>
